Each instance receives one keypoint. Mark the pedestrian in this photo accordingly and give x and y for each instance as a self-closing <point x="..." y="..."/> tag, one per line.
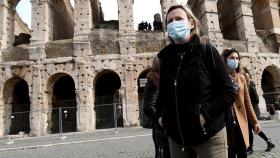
<point x="194" y="90"/>
<point x="255" y="101"/>
<point x="238" y="132"/>
<point x="149" y="105"/>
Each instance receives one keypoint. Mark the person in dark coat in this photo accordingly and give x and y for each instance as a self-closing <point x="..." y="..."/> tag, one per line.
<point x="255" y="101"/>
<point x="193" y="93"/>
<point x="149" y="107"/>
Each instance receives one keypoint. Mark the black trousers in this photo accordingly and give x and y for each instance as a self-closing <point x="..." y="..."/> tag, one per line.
<point x="238" y="148"/>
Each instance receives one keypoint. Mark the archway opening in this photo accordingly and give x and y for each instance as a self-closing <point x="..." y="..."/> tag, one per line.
<point x="105" y="14"/>
<point x="17" y="108"/>
<point x="64" y="105"/>
<point x="228" y="18"/>
<point x="108" y="101"/>
<point x="152" y="15"/>
<point x="62" y="15"/>
<point x="270" y="85"/>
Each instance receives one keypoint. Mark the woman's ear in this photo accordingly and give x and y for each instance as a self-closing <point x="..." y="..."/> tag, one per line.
<point x="191" y="22"/>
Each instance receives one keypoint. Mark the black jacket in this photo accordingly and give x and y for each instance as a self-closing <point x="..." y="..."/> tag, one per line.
<point x="201" y="88"/>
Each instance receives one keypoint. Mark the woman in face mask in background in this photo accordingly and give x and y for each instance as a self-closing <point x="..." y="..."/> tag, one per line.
<point x="194" y="90"/>
<point x="238" y="133"/>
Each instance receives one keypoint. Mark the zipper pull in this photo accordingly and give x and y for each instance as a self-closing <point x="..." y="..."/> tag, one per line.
<point x="175" y="82"/>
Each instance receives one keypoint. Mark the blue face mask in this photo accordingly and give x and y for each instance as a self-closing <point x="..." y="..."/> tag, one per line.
<point x="178" y="30"/>
<point x="232" y="63"/>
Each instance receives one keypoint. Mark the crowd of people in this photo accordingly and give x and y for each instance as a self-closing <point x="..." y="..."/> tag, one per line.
<point x="201" y="104"/>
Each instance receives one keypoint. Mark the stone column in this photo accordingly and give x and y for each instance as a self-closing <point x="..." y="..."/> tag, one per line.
<point x="207" y="13"/>
<point x="7" y="27"/>
<point x="275" y="18"/>
<point x="42" y="25"/>
<point x="130" y="108"/>
<point x="84" y="98"/>
<point x="127" y="39"/>
<point x="84" y="24"/>
<point x="2" y="116"/>
<point x="245" y="25"/>
<point x="165" y="5"/>
<point x="42" y="28"/>
<point x="38" y="115"/>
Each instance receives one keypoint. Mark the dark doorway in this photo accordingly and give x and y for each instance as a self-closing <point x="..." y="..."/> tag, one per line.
<point x="64" y="105"/>
<point x="269" y="90"/>
<point x="107" y="95"/>
<point x="20" y="108"/>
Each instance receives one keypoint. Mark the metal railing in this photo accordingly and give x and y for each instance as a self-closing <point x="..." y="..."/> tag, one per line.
<point x="64" y="119"/>
<point x="272" y="100"/>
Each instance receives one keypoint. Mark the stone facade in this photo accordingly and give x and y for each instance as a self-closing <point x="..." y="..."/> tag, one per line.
<point x="67" y="45"/>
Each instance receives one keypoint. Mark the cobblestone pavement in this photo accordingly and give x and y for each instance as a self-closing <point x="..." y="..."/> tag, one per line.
<point x="128" y="143"/>
<point x="272" y="130"/>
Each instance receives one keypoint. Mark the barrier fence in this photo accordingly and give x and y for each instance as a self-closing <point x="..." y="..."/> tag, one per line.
<point x="272" y="100"/>
<point x="64" y="119"/>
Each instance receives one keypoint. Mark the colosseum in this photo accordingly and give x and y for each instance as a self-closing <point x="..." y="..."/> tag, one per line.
<point x="73" y="63"/>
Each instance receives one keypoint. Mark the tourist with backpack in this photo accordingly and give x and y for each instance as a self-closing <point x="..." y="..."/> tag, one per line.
<point x="194" y="90"/>
<point x="237" y="128"/>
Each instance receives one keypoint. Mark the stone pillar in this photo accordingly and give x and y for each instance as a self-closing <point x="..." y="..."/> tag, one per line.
<point x="42" y="28"/>
<point x="7" y="27"/>
<point x="84" y="98"/>
<point x="38" y="115"/>
<point x="207" y="13"/>
<point x="245" y="25"/>
<point x="84" y="25"/>
<point x="2" y="116"/>
<point x="275" y="18"/>
<point x="42" y="25"/>
<point x="127" y="39"/>
<point x="130" y="107"/>
<point x="165" y="5"/>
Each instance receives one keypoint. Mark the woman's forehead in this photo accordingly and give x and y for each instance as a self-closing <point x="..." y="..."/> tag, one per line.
<point x="176" y="12"/>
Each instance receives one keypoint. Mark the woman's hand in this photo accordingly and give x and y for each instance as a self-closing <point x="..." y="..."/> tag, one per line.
<point x="160" y="121"/>
<point x="257" y="128"/>
<point x="202" y="120"/>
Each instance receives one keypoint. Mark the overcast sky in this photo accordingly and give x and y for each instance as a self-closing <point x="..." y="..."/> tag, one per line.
<point x="142" y="11"/>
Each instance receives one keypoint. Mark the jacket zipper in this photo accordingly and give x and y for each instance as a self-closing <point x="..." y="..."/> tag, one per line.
<point x="176" y="102"/>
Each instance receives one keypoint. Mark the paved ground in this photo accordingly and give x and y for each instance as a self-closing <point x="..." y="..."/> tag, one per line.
<point x="128" y="143"/>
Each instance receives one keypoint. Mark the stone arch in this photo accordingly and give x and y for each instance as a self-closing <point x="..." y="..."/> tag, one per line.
<point x="228" y="17"/>
<point x="108" y="93"/>
<point x="270" y="84"/>
<point x="16" y="106"/>
<point x="62" y="15"/>
<point x="261" y="13"/>
<point x="60" y="91"/>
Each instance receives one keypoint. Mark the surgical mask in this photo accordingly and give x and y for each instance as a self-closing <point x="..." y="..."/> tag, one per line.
<point x="178" y="30"/>
<point x="232" y="63"/>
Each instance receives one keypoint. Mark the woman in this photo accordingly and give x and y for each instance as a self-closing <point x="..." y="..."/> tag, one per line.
<point x="193" y="93"/>
<point x="149" y="105"/>
<point x="238" y="134"/>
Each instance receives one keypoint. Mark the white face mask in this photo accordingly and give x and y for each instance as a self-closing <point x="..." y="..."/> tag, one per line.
<point x="232" y="63"/>
<point x="178" y="30"/>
